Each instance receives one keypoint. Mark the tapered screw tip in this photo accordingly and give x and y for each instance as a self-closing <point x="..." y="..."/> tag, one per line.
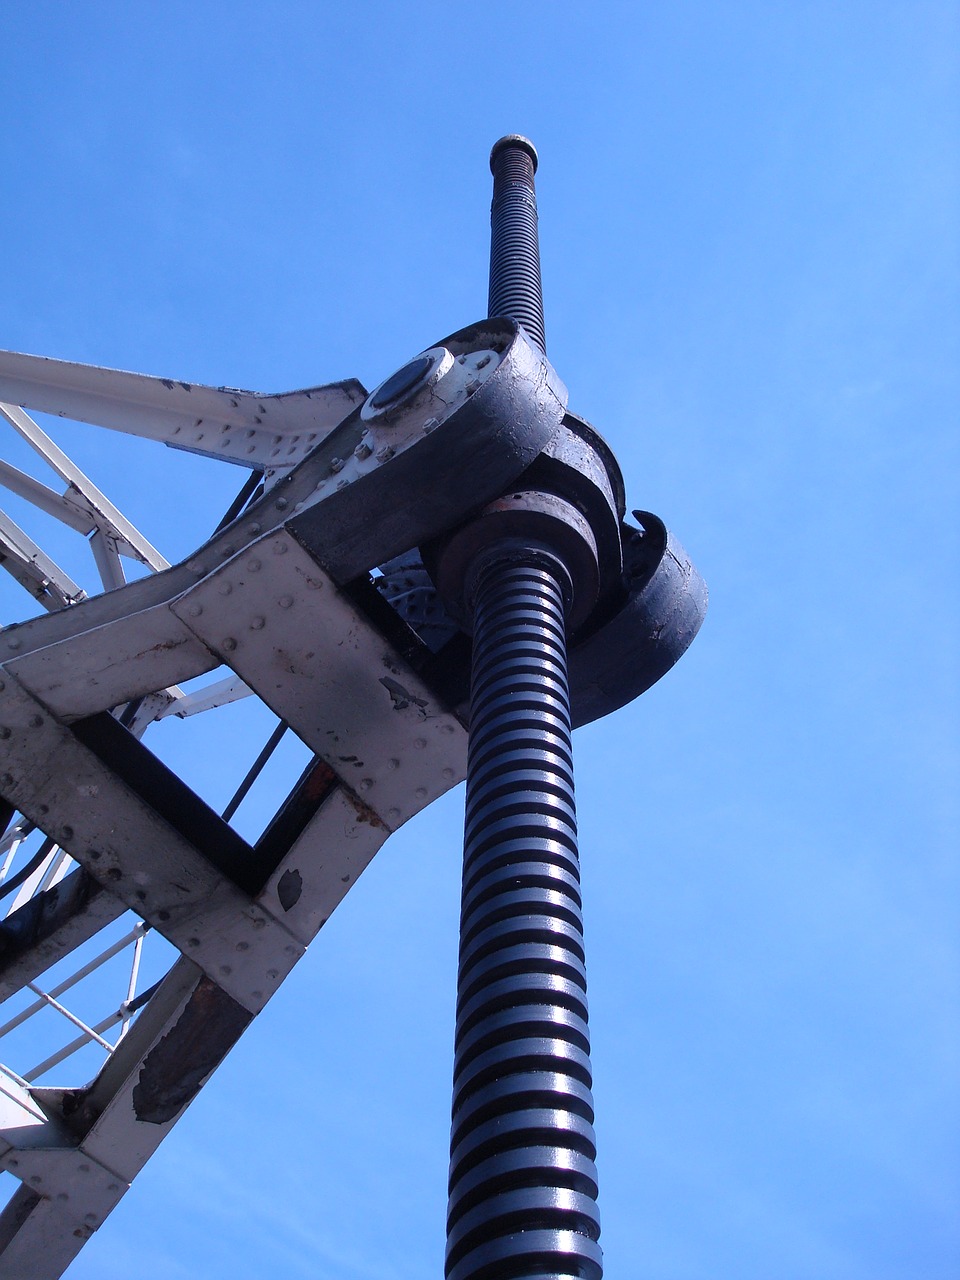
<point x="515" y="140"/>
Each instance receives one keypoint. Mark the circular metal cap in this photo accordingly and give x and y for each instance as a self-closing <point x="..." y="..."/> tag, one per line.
<point x="515" y="140"/>
<point x="399" y="383"/>
<point x="405" y="387"/>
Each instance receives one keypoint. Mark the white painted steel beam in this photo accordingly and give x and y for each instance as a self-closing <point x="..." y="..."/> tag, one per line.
<point x="259" y="431"/>
<point x="108" y="518"/>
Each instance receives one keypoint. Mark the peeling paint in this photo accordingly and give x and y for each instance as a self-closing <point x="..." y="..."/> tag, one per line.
<point x="180" y="1061"/>
<point x="289" y="888"/>
<point x="401" y="697"/>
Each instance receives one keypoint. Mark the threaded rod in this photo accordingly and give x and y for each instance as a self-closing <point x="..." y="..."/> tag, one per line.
<point x="515" y="289"/>
<point x="523" y="1182"/>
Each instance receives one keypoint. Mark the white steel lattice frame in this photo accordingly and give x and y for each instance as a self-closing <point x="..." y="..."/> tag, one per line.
<point x="281" y="597"/>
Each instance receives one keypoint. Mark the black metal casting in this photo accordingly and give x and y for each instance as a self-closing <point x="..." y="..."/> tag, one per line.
<point x="514" y="240"/>
<point x="523" y="1185"/>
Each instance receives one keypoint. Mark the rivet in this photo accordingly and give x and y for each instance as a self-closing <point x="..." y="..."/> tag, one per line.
<point x="67" y="833"/>
<point x="193" y="942"/>
<point x="229" y="644"/>
<point x="84" y="1168"/>
<point x="4" y="732"/>
<point x="421" y="793"/>
<point x="62" y="1196"/>
<point x="89" y="1217"/>
<point x="365" y="784"/>
<point x="280" y="548"/>
<point x="195" y="610"/>
<point x="336" y="464"/>
<point x="393" y="814"/>
<point x="243" y="946"/>
<point x="285" y="602"/>
<point x="419" y="743"/>
<point x="163" y="916"/>
<point x="14" y="1164"/>
<point x="290" y="950"/>
<point x="273" y="974"/>
<point x="446" y="728"/>
<point x="253" y="528"/>
<point x="7" y="779"/>
<point x="36" y="1180"/>
<point x="14" y="642"/>
<point x="259" y="922"/>
<point x="393" y="764"/>
<point x="114" y="873"/>
<point x="226" y="970"/>
<point x="113" y="1186"/>
<point x="281" y="504"/>
<point x="225" y="588"/>
<point x="2" y="686"/>
<point x="257" y="995"/>
<point x="257" y="623"/>
<point x="253" y="565"/>
<point x="197" y="570"/>
<point x="447" y="773"/>
<point x="35" y="722"/>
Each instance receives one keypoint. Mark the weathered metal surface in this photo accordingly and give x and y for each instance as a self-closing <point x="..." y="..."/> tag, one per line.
<point x="280" y="596"/>
<point x="49" y="585"/>
<point x="184" y="1056"/>
<point x="279" y="621"/>
<point x="255" y="430"/>
<point x="651" y="631"/>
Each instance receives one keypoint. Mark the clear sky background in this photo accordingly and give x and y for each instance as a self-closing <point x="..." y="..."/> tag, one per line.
<point x="749" y="233"/>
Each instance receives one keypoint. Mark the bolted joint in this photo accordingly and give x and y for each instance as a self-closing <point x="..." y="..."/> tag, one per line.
<point x="567" y="506"/>
<point x="524" y="527"/>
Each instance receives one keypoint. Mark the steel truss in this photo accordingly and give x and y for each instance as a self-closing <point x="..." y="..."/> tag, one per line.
<point x="105" y="846"/>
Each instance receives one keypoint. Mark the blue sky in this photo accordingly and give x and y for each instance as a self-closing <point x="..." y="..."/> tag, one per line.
<point x="749" y="243"/>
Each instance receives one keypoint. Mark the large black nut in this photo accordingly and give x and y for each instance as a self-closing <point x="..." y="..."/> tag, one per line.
<point x="513" y="528"/>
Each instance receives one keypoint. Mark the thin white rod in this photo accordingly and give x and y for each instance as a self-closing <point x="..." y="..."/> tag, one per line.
<point x="71" y="1017"/>
<point x="108" y="516"/>
<point x="68" y="1050"/>
<point x="138" y="930"/>
<point x="131" y="985"/>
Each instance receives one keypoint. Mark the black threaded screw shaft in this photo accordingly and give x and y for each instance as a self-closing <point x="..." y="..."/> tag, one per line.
<point x="515" y="288"/>
<point x="523" y="1182"/>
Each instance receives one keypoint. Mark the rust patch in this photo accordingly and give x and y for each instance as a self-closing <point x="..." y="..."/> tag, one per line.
<point x="180" y="1061"/>
<point x="364" y="812"/>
